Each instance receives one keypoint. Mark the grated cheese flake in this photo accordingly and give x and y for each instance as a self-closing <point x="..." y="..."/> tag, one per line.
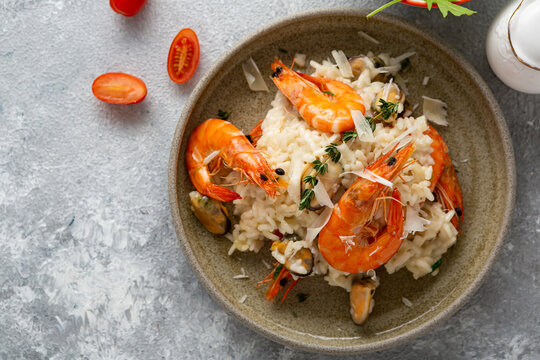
<point x="342" y="63"/>
<point x="435" y="111"/>
<point x="253" y="76"/>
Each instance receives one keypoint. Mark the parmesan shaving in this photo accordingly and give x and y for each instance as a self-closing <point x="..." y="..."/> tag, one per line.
<point x="404" y="56"/>
<point x="386" y="90"/>
<point x="253" y="76"/>
<point x="435" y="111"/>
<point x="348" y="242"/>
<point x="210" y="157"/>
<point x="243" y="299"/>
<point x="342" y="63"/>
<point x="368" y="37"/>
<point x="393" y="69"/>
<point x="425" y="81"/>
<point x="371" y="176"/>
<point x="322" y="195"/>
<point x="407" y="302"/>
<point x="399" y="139"/>
<point x="363" y="128"/>
<point x="317" y="225"/>
<point x="300" y="59"/>
<point x="413" y="221"/>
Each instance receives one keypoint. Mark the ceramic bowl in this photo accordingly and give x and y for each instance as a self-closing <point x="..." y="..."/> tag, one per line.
<point x="479" y="143"/>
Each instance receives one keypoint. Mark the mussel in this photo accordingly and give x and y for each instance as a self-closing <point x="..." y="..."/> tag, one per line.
<point x="210" y="212"/>
<point x="299" y="261"/>
<point x="395" y="95"/>
<point x="361" y="299"/>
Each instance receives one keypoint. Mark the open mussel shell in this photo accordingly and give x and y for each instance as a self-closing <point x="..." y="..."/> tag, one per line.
<point x="210" y="212"/>
<point x="300" y="263"/>
<point x="361" y="299"/>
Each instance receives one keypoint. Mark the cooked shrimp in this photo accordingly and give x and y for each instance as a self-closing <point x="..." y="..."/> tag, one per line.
<point x="324" y="104"/>
<point x="444" y="181"/>
<point x="350" y="242"/>
<point x="256" y="133"/>
<point x="216" y="141"/>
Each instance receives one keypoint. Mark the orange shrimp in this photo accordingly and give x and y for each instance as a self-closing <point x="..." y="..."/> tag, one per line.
<point x="444" y="181"/>
<point x="369" y="247"/>
<point x="235" y="150"/>
<point x="324" y="104"/>
<point x="256" y="133"/>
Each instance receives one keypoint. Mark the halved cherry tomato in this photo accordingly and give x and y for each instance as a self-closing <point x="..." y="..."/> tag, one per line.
<point x="119" y="88"/>
<point x="127" y="7"/>
<point x="183" y="56"/>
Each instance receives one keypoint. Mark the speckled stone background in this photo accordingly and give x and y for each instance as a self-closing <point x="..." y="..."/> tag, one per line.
<point x="90" y="267"/>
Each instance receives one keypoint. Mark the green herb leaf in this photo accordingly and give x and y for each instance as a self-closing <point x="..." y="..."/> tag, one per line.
<point x="223" y="115"/>
<point x="446" y="6"/>
<point x="320" y="167"/>
<point x="302" y="297"/>
<point x="328" y="92"/>
<point x="388" y="108"/>
<point x="307" y="197"/>
<point x="436" y="265"/>
<point x="333" y="152"/>
<point x="282" y="50"/>
<point x="349" y="135"/>
<point x="312" y="180"/>
<point x="294" y="314"/>
<point x="277" y="270"/>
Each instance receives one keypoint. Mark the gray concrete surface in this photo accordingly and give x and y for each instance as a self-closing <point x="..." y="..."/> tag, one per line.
<point x="90" y="267"/>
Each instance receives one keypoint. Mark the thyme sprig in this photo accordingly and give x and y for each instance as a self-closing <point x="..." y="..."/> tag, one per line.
<point x="333" y="152"/>
<point x="223" y="115"/>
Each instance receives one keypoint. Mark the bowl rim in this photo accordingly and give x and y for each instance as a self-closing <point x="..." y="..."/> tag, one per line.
<point x="428" y="324"/>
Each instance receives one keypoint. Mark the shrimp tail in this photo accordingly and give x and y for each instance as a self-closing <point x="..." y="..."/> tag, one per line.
<point x="221" y="193"/>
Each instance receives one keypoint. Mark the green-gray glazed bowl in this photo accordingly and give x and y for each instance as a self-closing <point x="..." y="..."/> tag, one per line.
<point x="479" y="143"/>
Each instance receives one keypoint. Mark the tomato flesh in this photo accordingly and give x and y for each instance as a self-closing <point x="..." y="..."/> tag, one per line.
<point x="127" y="7"/>
<point x="183" y="56"/>
<point x="119" y="88"/>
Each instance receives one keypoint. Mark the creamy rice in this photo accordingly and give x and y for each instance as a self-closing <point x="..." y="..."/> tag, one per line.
<point x="288" y="142"/>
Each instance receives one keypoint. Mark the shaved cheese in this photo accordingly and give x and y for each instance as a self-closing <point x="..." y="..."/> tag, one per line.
<point x="371" y="176"/>
<point x="322" y="195"/>
<point x="342" y="63"/>
<point x="317" y="225"/>
<point x="399" y="139"/>
<point x="210" y="157"/>
<point x="404" y="56"/>
<point x="300" y="59"/>
<point x="406" y="302"/>
<point x="243" y="299"/>
<point x="368" y="37"/>
<point x="413" y="221"/>
<point x="348" y="242"/>
<point x="435" y="111"/>
<point x="295" y="170"/>
<point x="393" y="69"/>
<point x="253" y="76"/>
<point x="363" y="128"/>
<point x="425" y="81"/>
<point x="267" y="265"/>
<point x="386" y="90"/>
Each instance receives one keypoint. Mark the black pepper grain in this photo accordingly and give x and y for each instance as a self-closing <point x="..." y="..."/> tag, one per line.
<point x="280" y="171"/>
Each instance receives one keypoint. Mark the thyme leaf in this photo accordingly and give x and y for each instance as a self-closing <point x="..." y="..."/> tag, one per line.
<point x="388" y="108"/>
<point x="436" y="265"/>
<point x="349" y="135"/>
<point x="333" y="152"/>
<point x="307" y="197"/>
<point x="328" y="92"/>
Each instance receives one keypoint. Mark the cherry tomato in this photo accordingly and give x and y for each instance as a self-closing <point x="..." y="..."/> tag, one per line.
<point x="119" y="88"/>
<point x="127" y="7"/>
<point x="183" y="56"/>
